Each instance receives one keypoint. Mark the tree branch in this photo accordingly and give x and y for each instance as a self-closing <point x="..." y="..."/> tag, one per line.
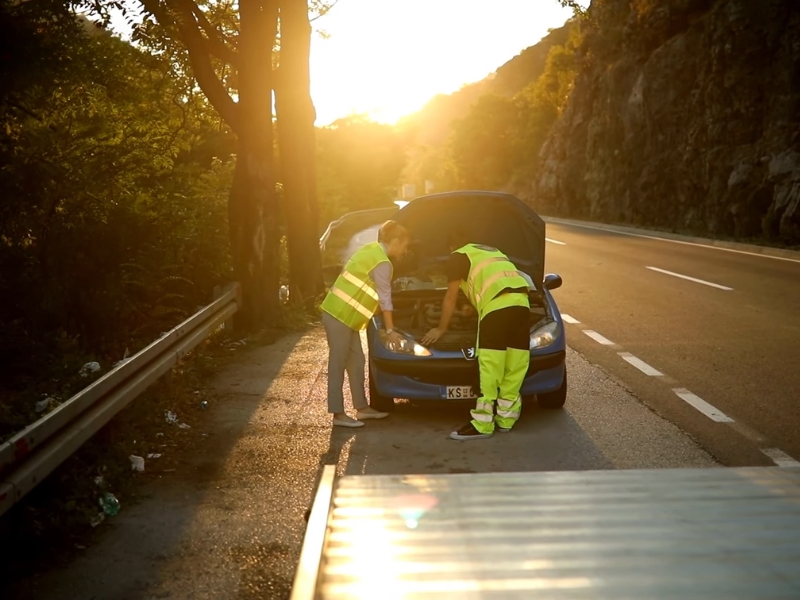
<point x="189" y="11"/>
<point x="15" y="104"/>
<point x="324" y="10"/>
<point x="215" y="39"/>
<point x="200" y="59"/>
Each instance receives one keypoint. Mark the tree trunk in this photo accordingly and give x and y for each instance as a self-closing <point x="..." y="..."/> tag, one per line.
<point x="252" y="207"/>
<point x="296" y="116"/>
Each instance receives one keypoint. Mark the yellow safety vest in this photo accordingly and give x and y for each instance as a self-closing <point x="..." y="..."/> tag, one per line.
<point x="490" y="273"/>
<point x="353" y="297"/>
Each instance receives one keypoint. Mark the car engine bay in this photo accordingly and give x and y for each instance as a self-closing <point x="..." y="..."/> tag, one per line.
<point x="418" y="308"/>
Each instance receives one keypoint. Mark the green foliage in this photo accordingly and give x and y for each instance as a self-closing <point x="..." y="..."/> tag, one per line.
<point x="434" y="163"/>
<point x="500" y="138"/>
<point x="358" y="166"/>
<point x="485" y="144"/>
<point x="113" y="225"/>
<point x="577" y="7"/>
<point x="604" y="26"/>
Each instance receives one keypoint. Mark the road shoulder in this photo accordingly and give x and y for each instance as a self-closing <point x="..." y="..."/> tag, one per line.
<point x="229" y="522"/>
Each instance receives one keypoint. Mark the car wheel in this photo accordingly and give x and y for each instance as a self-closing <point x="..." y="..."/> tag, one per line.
<point x="376" y="400"/>
<point x="553" y="400"/>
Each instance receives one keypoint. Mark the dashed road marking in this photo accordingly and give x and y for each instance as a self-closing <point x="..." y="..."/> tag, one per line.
<point x="780" y="458"/>
<point x="556" y="242"/>
<point x="704" y="407"/>
<point x="598" y="338"/>
<point x="694" y="279"/>
<point x="640" y="364"/>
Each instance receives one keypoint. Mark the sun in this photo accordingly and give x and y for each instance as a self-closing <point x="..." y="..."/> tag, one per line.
<point x="387" y="58"/>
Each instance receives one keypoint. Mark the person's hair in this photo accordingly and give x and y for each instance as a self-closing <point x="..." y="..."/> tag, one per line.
<point x="458" y="237"/>
<point x="391" y="230"/>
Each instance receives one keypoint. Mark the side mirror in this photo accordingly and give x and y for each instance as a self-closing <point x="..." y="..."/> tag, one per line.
<point x="552" y="281"/>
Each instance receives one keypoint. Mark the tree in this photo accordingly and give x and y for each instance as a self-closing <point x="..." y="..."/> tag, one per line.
<point x="497" y="144"/>
<point x="231" y="51"/>
<point x="359" y="164"/>
<point x="112" y="225"/>
<point x="484" y="143"/>
<point x="295" y="117"/>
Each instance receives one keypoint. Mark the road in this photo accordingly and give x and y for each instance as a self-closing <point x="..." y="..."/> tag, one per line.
<point x="680" y="356"/>
<point x="229" y="522"/>
<point x="723" y="326"/>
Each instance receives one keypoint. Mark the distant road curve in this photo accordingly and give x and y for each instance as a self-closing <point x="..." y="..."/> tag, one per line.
<point x="752" y="249"/>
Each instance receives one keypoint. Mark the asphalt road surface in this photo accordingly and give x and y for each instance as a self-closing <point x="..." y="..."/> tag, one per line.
<point x="680" y="356"/>
<point x="714" y="334"/>
<point x="229" y="522"/>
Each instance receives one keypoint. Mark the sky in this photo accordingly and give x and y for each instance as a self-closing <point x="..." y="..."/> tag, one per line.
<point x="387" y="58"/>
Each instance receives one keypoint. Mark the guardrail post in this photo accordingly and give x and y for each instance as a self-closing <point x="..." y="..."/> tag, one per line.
<point x="227" y="325"/>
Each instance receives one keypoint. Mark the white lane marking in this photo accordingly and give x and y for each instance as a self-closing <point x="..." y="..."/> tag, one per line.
<point x="640" y="364"/>
<point x="552" y="241"/>
<point x="568" y="319"/>
<point x="686" y="277"/>
<point x="704" y="407"/>
<point x="661" y="239"/>
<point x="598" y="338"/>
<point x="780" y="458"/>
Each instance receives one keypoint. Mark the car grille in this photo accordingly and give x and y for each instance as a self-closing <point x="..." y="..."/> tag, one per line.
<point x="451" y="346"/>
<point x="449" y="378"/>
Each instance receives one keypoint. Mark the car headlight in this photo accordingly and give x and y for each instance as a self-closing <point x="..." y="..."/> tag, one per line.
<point x="545" y="336"/>
<point x="404" y="346"/>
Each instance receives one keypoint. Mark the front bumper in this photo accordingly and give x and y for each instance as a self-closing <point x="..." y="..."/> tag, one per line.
<point x="428" y="379"/>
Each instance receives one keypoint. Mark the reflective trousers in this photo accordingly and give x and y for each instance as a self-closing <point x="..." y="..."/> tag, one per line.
<point x="503" y="359"/>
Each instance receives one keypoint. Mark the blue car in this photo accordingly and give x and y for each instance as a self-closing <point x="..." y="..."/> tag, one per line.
<point x="448" y="370"/>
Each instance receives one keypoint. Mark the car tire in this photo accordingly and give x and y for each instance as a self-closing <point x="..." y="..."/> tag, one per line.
<point x="554" y="400"/>
<point x="378" y="401"/>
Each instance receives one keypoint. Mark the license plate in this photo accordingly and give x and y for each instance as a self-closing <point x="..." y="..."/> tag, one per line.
<point x="460" y="392"/>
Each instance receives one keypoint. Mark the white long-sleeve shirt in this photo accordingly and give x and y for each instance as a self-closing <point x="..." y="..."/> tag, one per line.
<point x="382" y="276"/>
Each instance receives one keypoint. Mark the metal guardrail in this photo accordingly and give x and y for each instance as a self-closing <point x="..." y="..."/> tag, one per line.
<point x="33" y="453"/>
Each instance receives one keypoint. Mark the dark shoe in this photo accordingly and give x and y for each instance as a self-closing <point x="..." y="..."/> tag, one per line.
<point x="468" y="432"/>
<point x="501" y="429"/>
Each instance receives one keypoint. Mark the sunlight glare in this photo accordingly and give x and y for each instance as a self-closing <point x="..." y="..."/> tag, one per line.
<point x="387" y="58"/>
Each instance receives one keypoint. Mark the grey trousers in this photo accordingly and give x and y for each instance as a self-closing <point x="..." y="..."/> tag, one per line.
<point x="344" y="354"/>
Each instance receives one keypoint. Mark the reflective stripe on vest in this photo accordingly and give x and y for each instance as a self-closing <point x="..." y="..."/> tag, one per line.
<point x="490" y="273"/>
<point x="353" y="297"/>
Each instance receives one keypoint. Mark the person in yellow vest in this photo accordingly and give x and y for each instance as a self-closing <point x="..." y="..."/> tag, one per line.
<point x="499" y="293"/>
<point x="362" y="289"/>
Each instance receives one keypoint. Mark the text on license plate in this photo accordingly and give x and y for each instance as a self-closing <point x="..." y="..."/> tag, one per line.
<point x="460" y="392"/>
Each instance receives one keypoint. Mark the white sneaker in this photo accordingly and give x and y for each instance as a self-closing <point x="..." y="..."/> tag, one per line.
<point x="371" y="413"/>
<point x="346" y="421"/>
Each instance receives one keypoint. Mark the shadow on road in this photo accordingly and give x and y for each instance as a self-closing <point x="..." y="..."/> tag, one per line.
<point x="414" y="439"/>
<point x="157" y="547"/>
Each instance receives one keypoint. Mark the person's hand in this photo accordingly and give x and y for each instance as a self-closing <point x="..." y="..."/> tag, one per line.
<point x="432" y="336"/>
<point x="393" y="339"/>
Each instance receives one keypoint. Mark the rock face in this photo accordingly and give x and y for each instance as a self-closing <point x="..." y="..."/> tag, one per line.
<point x="691" y="121"/>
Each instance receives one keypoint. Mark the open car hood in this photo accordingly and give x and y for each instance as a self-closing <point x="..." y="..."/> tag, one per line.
<point x="490" y="218"/>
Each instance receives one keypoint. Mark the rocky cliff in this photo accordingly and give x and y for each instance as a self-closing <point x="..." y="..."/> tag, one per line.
<point x="685" y="115"/>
